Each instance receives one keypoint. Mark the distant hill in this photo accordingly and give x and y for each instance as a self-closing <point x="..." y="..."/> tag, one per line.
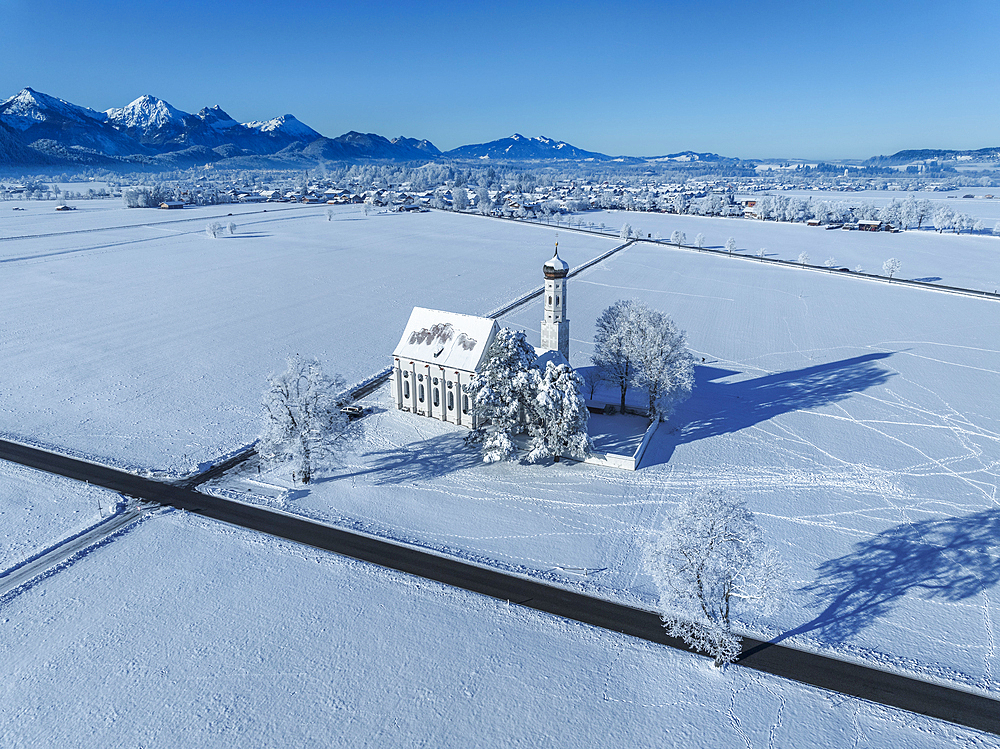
<point x="41" y="130"/>
<point x="934" y="154"/>
<point x="519" y="148"/>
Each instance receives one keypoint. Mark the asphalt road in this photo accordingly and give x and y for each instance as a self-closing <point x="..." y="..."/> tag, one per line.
<point x="916" y="696"/>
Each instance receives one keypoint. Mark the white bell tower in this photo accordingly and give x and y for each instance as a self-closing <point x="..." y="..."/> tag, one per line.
<point x="555" y="326"/>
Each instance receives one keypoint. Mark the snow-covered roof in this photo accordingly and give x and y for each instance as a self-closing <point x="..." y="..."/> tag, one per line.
<point x="556" y="266"/>
<point x="447" y="339"/>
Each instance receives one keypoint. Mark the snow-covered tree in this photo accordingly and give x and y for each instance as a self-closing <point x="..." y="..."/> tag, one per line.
<point x="503" y="394"/>
<point x="709" y="563"/>
<point x="829" y="262"/>
<point x="459" y="198"/>
<point x="677" y="238"/>
<point x="231" y="228"/>
<point x="891" y="267"/>
<point x="944" y="218"/>
<point x="731" y="245"/>
<point x="614" y="345"/>
<point x="560" y="423"/>
<point x="626" y="231"/>
<point x="214" y="229"/>
<point x="803" y="258"/>
<point x="996" y="229"/>
<point x="662" y="362"/>
<point x="304" y="423"/>
<point x="699" y="240"/>
<point x="762" y="252"/>
<point x="636" y="345"/>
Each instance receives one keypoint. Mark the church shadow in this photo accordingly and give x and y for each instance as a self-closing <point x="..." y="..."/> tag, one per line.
<point x="947" y="560"/>
<point x="717" y="408"/>
<point x="419" y="461"/>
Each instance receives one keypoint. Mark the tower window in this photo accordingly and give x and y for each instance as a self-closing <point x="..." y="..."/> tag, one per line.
<point x="451" y="401"/>
<point x="406" y="388"/>
<point x="420" y="393"/>
<point x="437" y="396"/>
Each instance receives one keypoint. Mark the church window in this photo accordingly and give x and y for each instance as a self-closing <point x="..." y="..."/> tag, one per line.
<point x="406" y="374"/>
<point x="450" y="383"/>
<point x="437" y="397"/>
<point x="420" y="393"/>
<point x="451" y="401"/>
<point x="406" y="388"/>
<point x="435" y="380"/>
<point x="550" y="300"/>
<point x="465" y="404"/>
<point x="557" y="300"/>
<point x="420" y="378"/>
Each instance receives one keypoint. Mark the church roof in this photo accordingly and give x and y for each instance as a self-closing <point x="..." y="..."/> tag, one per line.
<point x="447" y="339"/>
<point x="555" y="267"/>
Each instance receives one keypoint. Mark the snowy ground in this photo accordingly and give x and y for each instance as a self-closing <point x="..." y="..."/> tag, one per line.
<point x="184" y="627"/>
<point x="38" y="509"/>
<point x="856" y="417"/>
<point x="850" y="414"/>
<point x="964" y="260"/>
<point x="149" y="347"/>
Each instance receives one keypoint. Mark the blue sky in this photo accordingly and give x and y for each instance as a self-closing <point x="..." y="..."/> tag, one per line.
<point x="755" y="79"/>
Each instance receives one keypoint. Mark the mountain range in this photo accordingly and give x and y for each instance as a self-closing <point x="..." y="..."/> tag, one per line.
<point x="41" y="130"/>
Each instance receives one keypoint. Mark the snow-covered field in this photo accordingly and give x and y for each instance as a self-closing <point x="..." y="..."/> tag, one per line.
<point x="963" y="260"/>
<point x="38" y="509"/>
<point x="856" y="417"/>
<point x="185" y="631"/>
<point x="149" y="347"/>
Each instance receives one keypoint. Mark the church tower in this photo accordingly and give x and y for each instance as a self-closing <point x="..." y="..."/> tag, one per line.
<point x="555" y="326"/>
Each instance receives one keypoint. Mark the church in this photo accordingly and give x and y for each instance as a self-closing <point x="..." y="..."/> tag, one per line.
<point x="439" y="352"/>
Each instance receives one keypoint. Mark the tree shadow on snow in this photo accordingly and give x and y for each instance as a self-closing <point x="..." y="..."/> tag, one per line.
<point x="419" y="461"/>
<point x="946" y="560"/>
<point x="717" y="408"/>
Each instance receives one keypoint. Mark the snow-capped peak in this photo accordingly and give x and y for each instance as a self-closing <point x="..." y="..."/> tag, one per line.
<point x="147" y="112"/>
<point x="29" y="107"/>
<point x="216" y="117"/>
<point x="286" y="124"/>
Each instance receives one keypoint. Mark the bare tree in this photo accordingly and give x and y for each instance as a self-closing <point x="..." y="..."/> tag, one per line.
<point x="891" y="267"/>
<point x="731" y="245"/>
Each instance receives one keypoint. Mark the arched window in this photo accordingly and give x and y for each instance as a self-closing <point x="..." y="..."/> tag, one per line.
<point x="437" y="397"/>
<point x="420" y="393"/>
<point x="451" y="401"/>
<point x="550" y="300"/>
<point x="465" y="404"/>
<point x="406" y="388"/>
<point x="557" y="300"/>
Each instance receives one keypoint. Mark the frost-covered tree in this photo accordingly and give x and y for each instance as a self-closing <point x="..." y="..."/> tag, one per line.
<point x="677" y="238"/>
<point x="829" y="262"/>
<point x="231" y="228"/>
<point x="503" y="394"/>
<point x="459" y="199"/>
<point x="663" y="364"/>
<point x="731" y="245"/>
<point x="303" y="419"/>
<point x="626" y="231"/>
<point x="560" y="423"/>
<point x="891" y="267"/>
<point x="614" y="345"/>
<point x="944" y="218"/>
<point x="978" y="226"/>
<point x="996" y="229"/>
<point x="709" y="564"/>
<point x="803" y="258"/>
<point x="762" y="252"/>
<point x="214" y="229"/>
<point x="699" y="240"/>
<point x="636" y="345"/>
